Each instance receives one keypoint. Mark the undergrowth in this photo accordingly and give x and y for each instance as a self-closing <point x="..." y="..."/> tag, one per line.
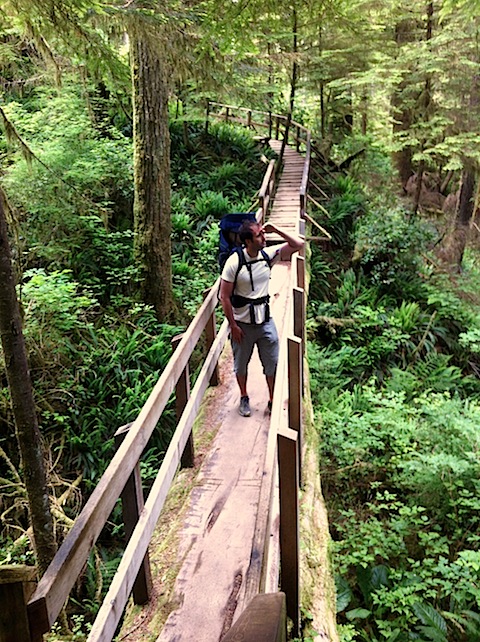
<point x="393" y="357"/>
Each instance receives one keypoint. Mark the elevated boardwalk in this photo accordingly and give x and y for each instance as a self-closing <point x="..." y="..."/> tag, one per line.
<point x="218" y="546"/>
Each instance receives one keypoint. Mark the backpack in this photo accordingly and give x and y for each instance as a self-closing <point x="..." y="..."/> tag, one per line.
<point x="228" y="238"/>
<point x="229" y="242"/>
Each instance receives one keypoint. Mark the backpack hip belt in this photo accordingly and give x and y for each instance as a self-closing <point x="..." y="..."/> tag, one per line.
<point x="240" y="301"/>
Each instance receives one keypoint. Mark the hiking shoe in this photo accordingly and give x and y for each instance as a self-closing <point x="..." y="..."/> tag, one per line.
<point x="269" y="407"/>
<point x="244" y="408"/>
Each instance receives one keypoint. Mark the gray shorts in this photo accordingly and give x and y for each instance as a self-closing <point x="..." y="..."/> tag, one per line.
<point x="265" y="337"/>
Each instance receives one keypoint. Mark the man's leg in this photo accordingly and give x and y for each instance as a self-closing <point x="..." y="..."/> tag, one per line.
<point x="268" y="352"/>
<point x="271" y="385"/>
<point x="242" y="353"/>
<point x="242" y="384"/>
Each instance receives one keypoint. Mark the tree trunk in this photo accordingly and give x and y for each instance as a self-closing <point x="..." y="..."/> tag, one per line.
<point x="293" y="83"/>
<point x="402" y="112"/>
<point x="454" y="246"/>
<point x="151" y="176"/>
<point x="426" y="106"/>
<point x="21" y="393"/>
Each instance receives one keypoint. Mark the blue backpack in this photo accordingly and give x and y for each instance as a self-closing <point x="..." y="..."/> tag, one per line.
<point x="229" y="240"/>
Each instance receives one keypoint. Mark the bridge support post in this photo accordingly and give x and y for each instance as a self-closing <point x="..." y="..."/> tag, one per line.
<point x="132" y="505"/>
<point x="211" y="333"/>
<point x="295" y="363"/>
<point x="17" y="583"/>
<point x="288" y="454"/>
<point x="182" y="395"/>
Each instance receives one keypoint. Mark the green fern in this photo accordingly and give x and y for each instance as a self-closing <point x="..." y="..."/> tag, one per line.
<point x="433" y="627"/>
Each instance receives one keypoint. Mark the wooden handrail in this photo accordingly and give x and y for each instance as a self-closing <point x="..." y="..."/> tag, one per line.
<point x="114" y="603"/>
<point x="299" y="131"/>
<point x="265" y="194"/>
<point x="305" y="178"/>
<point x="57" y="582"/>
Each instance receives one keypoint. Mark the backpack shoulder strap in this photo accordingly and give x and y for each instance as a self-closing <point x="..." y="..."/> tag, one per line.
<point x="267" y="258"/>
<point x="241" y="263"/>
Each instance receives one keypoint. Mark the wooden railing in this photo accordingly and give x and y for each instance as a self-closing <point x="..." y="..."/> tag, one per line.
<point x="271" y="124"/>
<point x="122" y="479"/>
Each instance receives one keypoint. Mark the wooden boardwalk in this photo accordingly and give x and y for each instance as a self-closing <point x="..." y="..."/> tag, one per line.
<point x="286" y="206"/>
<point x="216" y="548"/>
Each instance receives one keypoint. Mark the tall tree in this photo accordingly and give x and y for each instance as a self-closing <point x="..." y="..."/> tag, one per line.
<point x="151" y="173"/>
<point x="21" y="394"/>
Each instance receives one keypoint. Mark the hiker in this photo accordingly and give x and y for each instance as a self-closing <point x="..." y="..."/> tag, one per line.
<point x="245" y="302"/>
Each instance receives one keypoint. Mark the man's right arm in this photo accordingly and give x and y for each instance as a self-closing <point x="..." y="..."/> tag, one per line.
<point x="226" y="291"/>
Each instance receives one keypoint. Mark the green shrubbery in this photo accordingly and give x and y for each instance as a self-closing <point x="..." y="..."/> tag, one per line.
<point x="393" y="362"/>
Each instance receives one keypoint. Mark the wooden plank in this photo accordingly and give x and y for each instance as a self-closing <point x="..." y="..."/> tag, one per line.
<point x="17" y="583"/>
<point x="132" y="506"/>
<point x="55" y="585"/>
<point x="114" y="603"/>
<point x="289" y="523"/>
<point x="264" y="620"/>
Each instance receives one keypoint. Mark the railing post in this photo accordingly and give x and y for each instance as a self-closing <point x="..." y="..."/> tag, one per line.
<point x="299" y="314"/>
<point x="17" y="583"/>
<point x="297" y="136"/>
<point x="303" y="204"/>
<point x="300" y="271"/>
<point x="210" y="334"/>
<point x="264" y="619"/>
<point x="227" y="114"/>
<point x="207" y="115"/>
<point x="277" y="127"/>
<point x="249" y="118"/>
<point x="182" y="394"/>
<point x="300" y="267"/>
<point x="132" y="505"/>
<point x="269" y="124"/>
<point x="287" y="442"/>
<point x="295" y="367"/>
<point x="301" y="231"/>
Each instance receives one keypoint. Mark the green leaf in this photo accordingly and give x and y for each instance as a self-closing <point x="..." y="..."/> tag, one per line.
<point x="358" y="614"/>
<point x="344" y="593"/>
<point x="430" y="617"/>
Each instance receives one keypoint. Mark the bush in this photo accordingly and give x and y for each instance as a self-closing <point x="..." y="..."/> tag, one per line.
<point x="388" y="249"/>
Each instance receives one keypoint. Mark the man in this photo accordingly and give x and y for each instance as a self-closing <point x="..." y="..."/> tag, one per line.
<point x="244" y="298"/>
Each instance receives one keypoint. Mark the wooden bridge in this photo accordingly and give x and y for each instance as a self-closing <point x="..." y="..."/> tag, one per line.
<point x="241" y="525"/>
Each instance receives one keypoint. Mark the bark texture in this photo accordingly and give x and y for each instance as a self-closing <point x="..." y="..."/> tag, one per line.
<point x="21" y="393"/>
<point x="152" y="210"/>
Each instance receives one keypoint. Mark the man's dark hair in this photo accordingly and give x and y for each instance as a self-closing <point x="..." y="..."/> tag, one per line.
<point x="246" y="230"/>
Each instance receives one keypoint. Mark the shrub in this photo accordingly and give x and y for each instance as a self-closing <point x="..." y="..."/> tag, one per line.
<point x="388" y="249"/>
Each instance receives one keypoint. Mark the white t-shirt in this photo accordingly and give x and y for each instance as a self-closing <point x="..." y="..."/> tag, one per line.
<point x="260" y="277"/>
